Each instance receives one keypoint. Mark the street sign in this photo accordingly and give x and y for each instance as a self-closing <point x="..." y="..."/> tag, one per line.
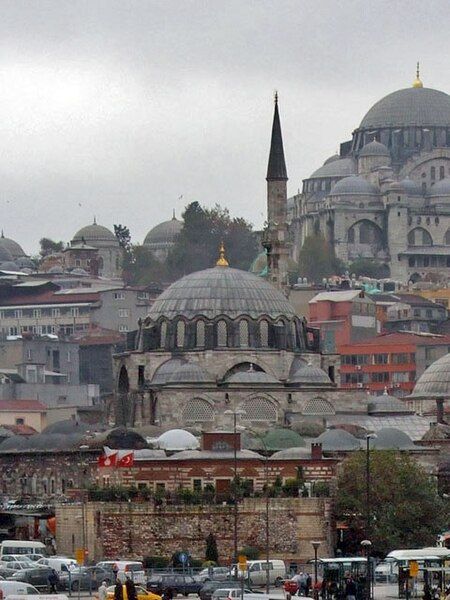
<point x="242" y="562"/>
<point x="79" y="555"/>
<point x="413" y="568"/>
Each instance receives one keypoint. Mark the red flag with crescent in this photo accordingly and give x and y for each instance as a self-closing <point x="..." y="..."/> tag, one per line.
<point x="127" y="460"/>
<point x="107" y="460"/>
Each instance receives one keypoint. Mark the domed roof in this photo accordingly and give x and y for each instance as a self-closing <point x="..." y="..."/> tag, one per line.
<point x="282" y="438"/>
<point x="390" y="438"/>
<point x="412" y="106"/>
<point x="440" y="188"/>
<point x="68" y="426"/>
<point x="56" y="270"/>
<point x="220" y="291"/>
<point x="374" y="148"/>
<point x="308" y="373"/>
<point x="24" y="262"/>
<point x="189" y="373"/>
<point x="340" y="167"/>
<point x="167" y="370"/>
<point x="9" y="265"/>
<point x="164" y="233"/>
<point x="338" y="440"/>
<point x="332" y="158"/>
<point x="79" y="271"/>
<point x="292" y="453"/>
<point x="354" y="185"/>
<point x="177" y="439"/>
<point x="410" y="187"/>
<point x="95" y="233"/>
<point x="386" y="404"/>
<point x="251" y="376"/>
<point x="13" y="247"/>
<point x="13" y="443"/>
<point x="434" y="381"/>
<point x="5" y="254"/>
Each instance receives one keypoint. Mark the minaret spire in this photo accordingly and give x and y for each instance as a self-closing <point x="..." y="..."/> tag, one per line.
<point x="417" y="83"/>
<point x="276" y="169"/>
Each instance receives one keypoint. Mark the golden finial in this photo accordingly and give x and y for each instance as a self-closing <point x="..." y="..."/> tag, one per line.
<point x="417" y="83"/>
<point x="222" y="261"/>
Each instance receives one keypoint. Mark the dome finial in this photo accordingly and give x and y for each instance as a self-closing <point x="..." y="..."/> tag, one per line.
<point x="417" y="83"/>
<point x="173" y="215"/>
<point x="95" y="220"/>
<point x="222" y="261"/>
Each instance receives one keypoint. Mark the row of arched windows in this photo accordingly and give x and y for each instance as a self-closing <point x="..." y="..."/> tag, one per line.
<point x="420" y="237"/>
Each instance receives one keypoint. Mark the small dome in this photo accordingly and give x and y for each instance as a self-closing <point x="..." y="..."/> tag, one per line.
<point x="440" y="188"/>
<point x="14" y="443"/>
<point x="177" y="439"/>
<point x="167" y="370"/>
<point x="355" y="185"/>
<point x="164" y="234"/>
<point x="79" y="271"/>
<point x="251" y="376"/>
<point x="307" y="373"/>
<point x="68" y="426"/>
<point x="434" y="381"/>
<point x="95" y="235"/>
<point x="338" y="440"/>
<point x="374" y="148"/>
<point x="9" y="265"/>
<point x="410" y="187"/>
<point x="292" y="453"/>
<point x="24" y="262"/>
<point x="13" y="247"/>
<point x="340" y="167"/>
<point x="5" y="254"/>
<point x="56" y="270"/>
<point x="280" y="439"/>
<point x="386" y="404"/>
<point x="190" y="373"/>
<point x="390" y="438"/>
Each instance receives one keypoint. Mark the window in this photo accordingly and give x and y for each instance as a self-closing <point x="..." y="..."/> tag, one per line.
<point x="20" y="421"/>
<point x="259" y="409"/>
<point x="56" y="312"/>
<point x="29" y="354"/>
<point x="18" y="313"/>
<point x="13" y="331"/>
<point x="197" y="485"/>
<point x="198" y="410"/>
<point x="429" y="313"/>
<point x="163" y="334"/>
<point x="124" y="313"/>
<point x="222" y="333"/>
<point x="78" y="262"/>
<point x="119" y="295"/>
<point x="143" y="296"/>
<point x="419" y="237"/>
<point x="243" y="333"/>
<point x="433" y="173"/>
<point x="2" y="314"/>
<point x="380" y="377"/>
<point x="74" y="311"/>
<point x="441" y="172"/>
<point x="180" y="334"/>
<point x="160" y="487"/>
<point x="264" y="333"/>
<point x="399" y="359"/>
<point x="380" y="359"/>
<point x="37" y="313"/>
<point x="400" y="377"/>
<point x="200" y="339"/>
<point x="123" y="328"/>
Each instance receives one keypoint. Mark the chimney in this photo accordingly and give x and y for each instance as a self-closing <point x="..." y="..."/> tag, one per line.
<point x="316" y="451"/>
<point x="440" y="410"/>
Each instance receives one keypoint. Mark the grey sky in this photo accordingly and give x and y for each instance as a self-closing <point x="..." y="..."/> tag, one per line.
<point x="119" y="108"/>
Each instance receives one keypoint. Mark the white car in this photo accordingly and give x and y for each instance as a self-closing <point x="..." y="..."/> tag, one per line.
<point x="59" y="563"/>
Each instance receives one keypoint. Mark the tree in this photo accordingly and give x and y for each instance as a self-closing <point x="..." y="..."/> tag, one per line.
<point x="365" y="267"/>
<point x="406" y="511"/>
<point x="123" y="236"/>
<point x="49" y="246"/>
<point x="317" y="259"/>
<point x="211" y="552"/>
<point x="141" y="267"/>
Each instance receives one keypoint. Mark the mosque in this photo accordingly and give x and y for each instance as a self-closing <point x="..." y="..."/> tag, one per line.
<point x="386" y="194"/>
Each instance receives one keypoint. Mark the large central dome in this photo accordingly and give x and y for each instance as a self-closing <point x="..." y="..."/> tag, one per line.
<point x="411" y="107"/>
<point x="221" y="291"/>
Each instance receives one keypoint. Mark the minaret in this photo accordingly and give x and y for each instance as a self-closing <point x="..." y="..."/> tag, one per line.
<point x="276" y="234"/>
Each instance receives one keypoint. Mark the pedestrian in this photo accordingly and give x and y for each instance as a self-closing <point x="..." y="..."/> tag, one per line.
<point x="350" y="589"/>
<point x="102" y="591"/>
<point x="308" y="584"/>
<point x="131" y="589"/>
<point x="115" y="570"/>
<point x="168" y="594"/>
<point x="53" y="581"/>
<point x="118" y="590"/>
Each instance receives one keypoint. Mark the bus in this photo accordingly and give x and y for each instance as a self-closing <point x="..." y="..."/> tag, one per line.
<point x="431" y="562"/>
<point x="333" y="573"/>
<point x="21" y="547"/>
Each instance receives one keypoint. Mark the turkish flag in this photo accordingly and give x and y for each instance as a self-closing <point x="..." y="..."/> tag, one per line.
<point x="107" y="460"/>
<point x="127" y="460"/>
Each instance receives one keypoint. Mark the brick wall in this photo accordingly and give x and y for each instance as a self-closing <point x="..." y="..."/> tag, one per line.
<point x="134" y="530"/>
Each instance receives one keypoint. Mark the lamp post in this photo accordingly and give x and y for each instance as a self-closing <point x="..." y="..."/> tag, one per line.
<point x="315" y="545"/>
<point x="83" y="448"/>
<point x="235" y="413"/>
<point x="367" y="543"/>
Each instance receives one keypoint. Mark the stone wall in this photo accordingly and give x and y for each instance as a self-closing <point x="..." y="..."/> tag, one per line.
<point x="135" y="530"/>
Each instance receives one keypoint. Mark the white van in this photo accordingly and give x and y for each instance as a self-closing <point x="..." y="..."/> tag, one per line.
<point x="61" y="564"/>
<point x="21" y="547"/>
<point x="133" y="569"/>
<point x="256" y="572"/>
<point x="7" y="588"/>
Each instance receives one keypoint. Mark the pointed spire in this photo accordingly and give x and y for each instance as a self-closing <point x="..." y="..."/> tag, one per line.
<point x="173" y="216"/>
<point x="95" y="220"/>
<point x="222" y="261"/>
<point x="276" y="169"/>
<point x="417" y="83"/>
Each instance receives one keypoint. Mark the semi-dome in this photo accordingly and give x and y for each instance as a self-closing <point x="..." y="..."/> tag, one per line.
<point x="410" y="187"/>
<point x="434" y="381"/>
<point x="440" y="188"/>
<point x="308" y="373"/>
<point x="341" y="167"/>
<point x="164" y="233"/>
<point x="355" y="185"/>
<point x="167" y="370"/>
<point x="95" y="235"/>
<point x="190" y="373"/>
<point x="220" y="291"/>
<point x="410" y="107"/>
<point x="374" y="148"/>
<point x="338" y="440"/>
<point x="177" y="439"/>
<point x="12" y="246"/>
<point x="391" y="438"/>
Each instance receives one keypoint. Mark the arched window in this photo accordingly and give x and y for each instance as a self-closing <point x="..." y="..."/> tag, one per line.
<point x="419" y="237"/>
<point x="264" y="333"/>
<point x="243" y="333"/>
<point x="180" y="334"/>
<point x="259" y="409"/>
<point x="222" y="334"/>
<point x="200" y="336"/>
<point x="294" y="334"/>
<point x="441" y="172"/>
<point x="163" y="334"/>
<point x="433" y="172"/>
<point x="197" y="410"/>
<point x="318" y="406"/>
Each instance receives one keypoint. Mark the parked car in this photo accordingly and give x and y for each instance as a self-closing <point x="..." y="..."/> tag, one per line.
<point x="214" y="574"/>
<point x="61" y="564"/>
<point x="9" y="588"/>
<point x="386" y="572"/>
<point x="15" y="565"/>
<point x="180" y="584"/>
<point x="126" y="568"/>
<point x="256" y="572"/>
<point x="230" y="592"/>
<point x="37" y="576"/>
<point x="209" y="587"/>
<point x="142" y="594"/>
<point x="85" y="578"/>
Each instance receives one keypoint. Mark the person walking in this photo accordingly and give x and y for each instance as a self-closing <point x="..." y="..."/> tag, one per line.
<point x="53" y="581"/>
<point x="350" y="589"/>
<point x="130" y="589"/>
<point x="115" y="570"/>
<point x="102" y="591"/>
<point x="118" y="590"/>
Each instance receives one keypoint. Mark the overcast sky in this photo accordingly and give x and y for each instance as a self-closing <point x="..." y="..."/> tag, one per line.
<point x="119" y="108"/>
